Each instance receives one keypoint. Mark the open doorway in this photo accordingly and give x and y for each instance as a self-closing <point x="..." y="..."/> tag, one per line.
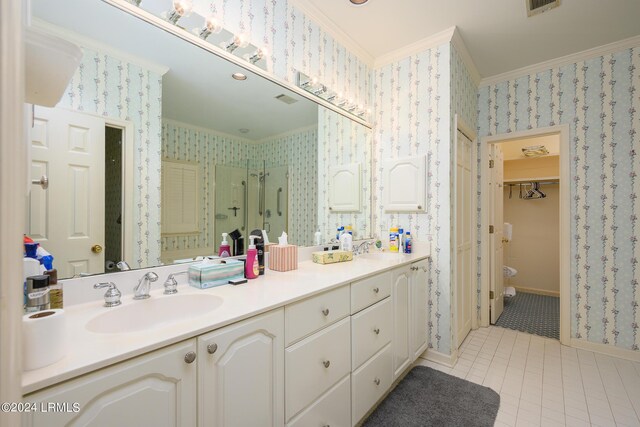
<point x="525" y="282"/>
<point x="113" y="200"/>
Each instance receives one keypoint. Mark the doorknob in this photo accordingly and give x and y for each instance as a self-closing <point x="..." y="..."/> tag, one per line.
<point x="96" y="249"/>
<point x="42" y="182"/>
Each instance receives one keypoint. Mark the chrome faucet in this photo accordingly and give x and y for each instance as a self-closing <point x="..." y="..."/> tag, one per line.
<point x="171" y="285"/>
<point x="362" y="248"/>
<point x="144" y="285"/>
<point x="123" y="266"/>
<point x="112" y="296"/>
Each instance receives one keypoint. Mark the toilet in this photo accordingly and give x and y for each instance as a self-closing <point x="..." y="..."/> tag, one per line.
<point x="510" y="291"/>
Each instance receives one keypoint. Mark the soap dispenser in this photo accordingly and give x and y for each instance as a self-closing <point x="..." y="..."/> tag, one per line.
<point x="225" y="249"/>
<point x="251" y="268"/>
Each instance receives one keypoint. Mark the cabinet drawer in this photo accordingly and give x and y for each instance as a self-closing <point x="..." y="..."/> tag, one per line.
<point x="332" y="409"/>
<point x="370" y="331"/>
<point x="369" y="291"/>
<point x="370" y="383"/>
<point x="305" y="317"/>
<point x="315" y="364"/>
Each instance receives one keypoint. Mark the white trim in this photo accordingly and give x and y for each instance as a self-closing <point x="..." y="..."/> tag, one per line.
<point x="461" y="48"/>
<point x="562" y="61"/>
<point x="565" y="221"/>
<point x="441" y="358"/>
<point x="537" y="291"/>
<point x="128" y="171"/>
<point x="89" y="43"/>
<point x="287" y="133"/>
<point x="421" y="45"/>
<point x="207" y="130"/>
<point x="607" y="349"/>
<point x="13" y="185"/>
<point x="320" y="18"/>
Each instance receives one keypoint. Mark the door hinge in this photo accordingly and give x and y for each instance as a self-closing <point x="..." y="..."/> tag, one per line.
<point x="491" y="295"/>
<point x="491" y="164"/>
<point x="491" y="229"/>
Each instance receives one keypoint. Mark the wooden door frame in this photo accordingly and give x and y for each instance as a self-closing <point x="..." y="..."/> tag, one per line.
<point x="565" y="222"/>
<point x="462" y="126"/>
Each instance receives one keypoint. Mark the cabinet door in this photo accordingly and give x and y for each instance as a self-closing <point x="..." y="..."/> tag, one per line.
<point x="156" y="389"/>
<point x="401" y="320"/>
<point x="241" y="373"/>
<point x="344" y="188"/>
<point x="418" y="329"/>
<point x="404" y="184"/>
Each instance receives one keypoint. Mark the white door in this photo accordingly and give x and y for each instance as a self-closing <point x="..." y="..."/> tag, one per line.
<point x="418" y="327"/>
<point x="401" y="320"/>
<point x="67" y="219"/>
<point x="496" y="200"/>
<point x="464" y="218"/>
<point x="241" y="373"/>
<point x="157" y="389"/>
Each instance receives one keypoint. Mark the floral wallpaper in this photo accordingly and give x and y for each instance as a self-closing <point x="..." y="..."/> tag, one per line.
<point x="297" y="150"/>
<point x="411" y="100"/>
<point x="600" y="100"/>
<point x="340" y="142"/>
<point x="113" y="88"/>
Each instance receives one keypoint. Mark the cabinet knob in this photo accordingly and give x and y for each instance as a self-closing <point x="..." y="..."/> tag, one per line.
<point x="377" y="331"/>
<point x="325" y="311"/>
<point x="377" y="381"/>
<point x="376" y="290"/>
<point x="326" y="363"/>
<point x="212" y="348"/>
<point x="419" y="206"/>
<point x="190" y="357"/>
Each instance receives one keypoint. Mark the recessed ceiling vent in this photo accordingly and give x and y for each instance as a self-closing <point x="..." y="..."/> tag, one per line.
<point x="286" y="99"/>
<point x="535" y="151"/>
<point x="534" y="7"/>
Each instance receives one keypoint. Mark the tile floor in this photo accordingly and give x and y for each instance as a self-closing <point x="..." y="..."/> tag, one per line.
<point x="542" y="383"/>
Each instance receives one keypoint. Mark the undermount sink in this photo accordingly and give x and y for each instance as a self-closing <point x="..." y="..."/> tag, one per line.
<point x="152" y="313"/>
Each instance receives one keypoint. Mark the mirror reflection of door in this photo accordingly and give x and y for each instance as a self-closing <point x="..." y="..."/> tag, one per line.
<point x="81" y="157"/>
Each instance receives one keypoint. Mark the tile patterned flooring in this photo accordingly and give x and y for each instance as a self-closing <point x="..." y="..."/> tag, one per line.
<point x="542" y="383"/>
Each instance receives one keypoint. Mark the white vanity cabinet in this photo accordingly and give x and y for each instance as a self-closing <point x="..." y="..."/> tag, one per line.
<point x="418" y="308"/>
<point x="156" y="389"/>
<point x="241" y="373"/>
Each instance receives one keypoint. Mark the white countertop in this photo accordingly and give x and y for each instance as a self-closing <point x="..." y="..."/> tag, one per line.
<point x="89" y="351"/>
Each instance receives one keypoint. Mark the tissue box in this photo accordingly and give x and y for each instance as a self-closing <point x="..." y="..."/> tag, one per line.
<point x="283" y="258"/>
<point x="215" y="273"/>
<point x="331" y="257"/>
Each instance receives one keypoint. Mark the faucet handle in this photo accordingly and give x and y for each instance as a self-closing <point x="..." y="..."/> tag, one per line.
<point x="113" y="294"/>
<point x="171" y="285"/>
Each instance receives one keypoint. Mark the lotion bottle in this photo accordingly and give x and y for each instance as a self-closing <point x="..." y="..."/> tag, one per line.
<point x="225" y="249"/>
<point x="251" y="267"/>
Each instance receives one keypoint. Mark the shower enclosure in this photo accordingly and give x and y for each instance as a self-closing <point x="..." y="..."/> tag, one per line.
<point x="251" y="198"/>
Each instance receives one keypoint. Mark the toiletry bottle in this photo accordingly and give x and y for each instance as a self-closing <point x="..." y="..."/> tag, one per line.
<point x="408" y="242"/>
<point x="225" y="249"/>
<point x="318" y="238"/>
<point x="37" y="293"/>
<point x="400" y="239"/>
<point x="260" y="248"/>
<point x="393" y="239"/>
<point x="251" y="268"/>
<point x="340" y="231"/>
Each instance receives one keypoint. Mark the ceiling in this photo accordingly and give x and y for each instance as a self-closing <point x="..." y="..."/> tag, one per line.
<point x="497" y="33"/>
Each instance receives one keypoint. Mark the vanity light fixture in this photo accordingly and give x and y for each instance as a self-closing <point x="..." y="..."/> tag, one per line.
<point x="256" y="56"/>
<point x="239" y="76"/>
<point x="135" y="2"/>
<point x="238" y="41"/>
<point x="211" y="26"/>
<point x="180" y="8"/>
<point x="319" y="91"/>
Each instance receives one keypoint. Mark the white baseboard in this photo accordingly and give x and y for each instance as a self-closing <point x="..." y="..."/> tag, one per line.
<point x="607" y="349"/>
<point x="441" y="358"/>
<point x="537" y="291"/>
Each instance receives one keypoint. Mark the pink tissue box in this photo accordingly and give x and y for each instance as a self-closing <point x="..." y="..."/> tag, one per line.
<point x="283" y="258"/>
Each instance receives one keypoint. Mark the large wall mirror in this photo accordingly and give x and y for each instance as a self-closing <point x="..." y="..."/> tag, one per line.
<point x="159" y="146"/>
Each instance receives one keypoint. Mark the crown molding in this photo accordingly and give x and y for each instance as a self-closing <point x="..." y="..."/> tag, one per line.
<point x="89" y="43"/>
<point x="320" y="18"/>
<point x="562" y="61"/>
<point x="421" y="45"/>
<point x="461" y="48"/>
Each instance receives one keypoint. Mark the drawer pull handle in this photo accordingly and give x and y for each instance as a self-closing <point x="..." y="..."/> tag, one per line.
<point x="326" y="363"/>
<point x="190" y="357"/>
<point x="377" y="331"/>
<point x="212" y="348"/>
<point x="377" y="381"/>
<point x="376" y="290"/>
<point x="325" y="311"/>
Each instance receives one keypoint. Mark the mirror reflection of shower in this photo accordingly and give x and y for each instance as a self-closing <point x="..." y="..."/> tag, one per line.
<point x="251" y="198"/>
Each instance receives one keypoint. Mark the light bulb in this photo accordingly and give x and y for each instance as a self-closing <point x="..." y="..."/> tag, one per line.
<point x="238" y="41"/>
<point x="211" y="26"/>
<point x="180" y="8"/>
<point x="256" y="56"/>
